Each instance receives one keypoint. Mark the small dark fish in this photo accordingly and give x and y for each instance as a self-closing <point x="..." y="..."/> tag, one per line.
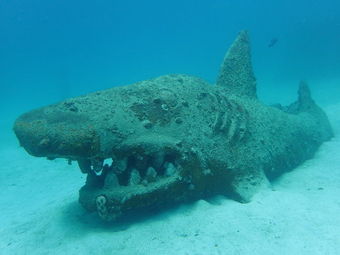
<point x="273" y="42"/>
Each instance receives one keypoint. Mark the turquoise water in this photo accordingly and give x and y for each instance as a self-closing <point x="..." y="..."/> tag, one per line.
<point x="52" y="50"/>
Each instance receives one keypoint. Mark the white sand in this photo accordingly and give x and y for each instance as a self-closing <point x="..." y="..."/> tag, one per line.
<point x="299" y="215"/>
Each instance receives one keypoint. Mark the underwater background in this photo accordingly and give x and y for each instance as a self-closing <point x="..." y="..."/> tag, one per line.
<point x="52" y="50"/>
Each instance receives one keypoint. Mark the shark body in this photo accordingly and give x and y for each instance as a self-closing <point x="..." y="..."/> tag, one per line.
<point x="176" y="138"/>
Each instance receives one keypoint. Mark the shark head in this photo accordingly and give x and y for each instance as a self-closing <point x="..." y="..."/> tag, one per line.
<point x="151" y="143"/>
<point x="138" y="144"/>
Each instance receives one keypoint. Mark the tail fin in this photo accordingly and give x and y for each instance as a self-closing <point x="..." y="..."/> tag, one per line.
<point x="305" y="102"/>
<point x="236" y="72"/>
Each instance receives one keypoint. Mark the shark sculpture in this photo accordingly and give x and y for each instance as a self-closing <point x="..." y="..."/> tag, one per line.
<point x="176" y="138"/>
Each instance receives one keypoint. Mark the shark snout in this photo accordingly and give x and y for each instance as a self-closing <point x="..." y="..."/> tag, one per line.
<point x="52" y="134"/>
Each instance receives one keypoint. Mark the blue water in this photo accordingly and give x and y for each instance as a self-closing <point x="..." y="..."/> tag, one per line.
<point x="51" y="50"/>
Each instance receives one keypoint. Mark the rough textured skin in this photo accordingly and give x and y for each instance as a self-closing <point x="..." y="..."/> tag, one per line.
<point x="236" y="72"/>
<point x="176" y="137"/>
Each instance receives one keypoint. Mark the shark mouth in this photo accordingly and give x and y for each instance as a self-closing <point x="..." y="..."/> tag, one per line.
<point x="132" y="178"/>
<point x="134" y="169"/>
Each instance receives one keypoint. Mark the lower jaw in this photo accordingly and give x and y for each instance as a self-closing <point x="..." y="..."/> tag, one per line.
<point x="113" y="203"/>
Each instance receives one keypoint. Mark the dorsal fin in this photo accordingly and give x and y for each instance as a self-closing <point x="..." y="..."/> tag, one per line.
<point x="236" y="72"/>
<point x="305" y="101"/>
<point x="304" y="93"/>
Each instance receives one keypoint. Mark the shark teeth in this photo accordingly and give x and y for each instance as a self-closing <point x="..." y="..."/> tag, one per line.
<point x="135" y="177"/>
<point x="151" y="174"/>
<point x="129" y="170"/>
<point x="170" y="169"/>
<point x="139" y="169"/>
<point x="111" y="180"/>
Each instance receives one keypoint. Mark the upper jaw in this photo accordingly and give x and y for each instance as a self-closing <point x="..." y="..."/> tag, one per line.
<point x="55" y="134"/>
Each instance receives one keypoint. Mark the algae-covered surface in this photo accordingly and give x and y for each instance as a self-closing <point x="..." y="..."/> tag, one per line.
<point x="299" y="213"/>
<point x="176" y="138"/>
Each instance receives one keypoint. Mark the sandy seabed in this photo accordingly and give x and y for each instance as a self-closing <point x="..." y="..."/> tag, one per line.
<point x="298" y="214"/>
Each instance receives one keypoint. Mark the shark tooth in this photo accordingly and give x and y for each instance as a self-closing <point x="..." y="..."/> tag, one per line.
<point x="170" y="169"/>
<point x="135" y="177"/>
<point x="111" y="180"/>
<point x="151" y="174"/>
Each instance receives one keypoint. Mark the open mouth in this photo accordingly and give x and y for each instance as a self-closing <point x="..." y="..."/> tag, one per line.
<point x="135" y="166"/>
<point x="130" y="179"/>
<point x="140" y="168"/>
